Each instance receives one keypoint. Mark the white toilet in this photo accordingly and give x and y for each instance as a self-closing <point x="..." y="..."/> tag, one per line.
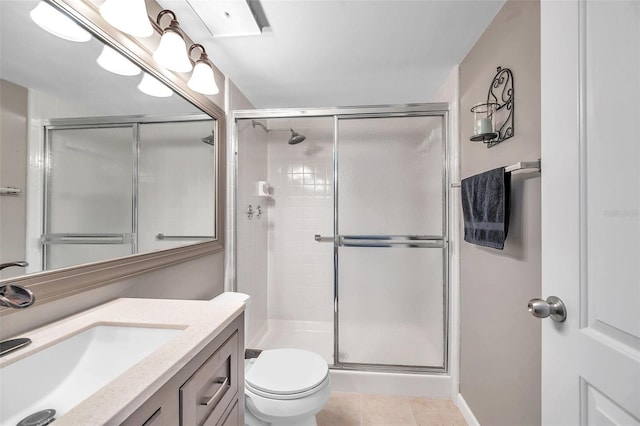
<point x="282" y="386"/>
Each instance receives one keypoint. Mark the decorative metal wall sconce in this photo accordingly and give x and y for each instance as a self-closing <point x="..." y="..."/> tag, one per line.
<point x="172" y="50"/>
<point x="493" y="120"/>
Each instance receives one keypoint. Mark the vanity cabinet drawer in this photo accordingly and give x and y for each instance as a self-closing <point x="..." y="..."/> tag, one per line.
<point x="233" y="418"/>
<point x="155" y="419"/>
<point x="210" y="390"/>
<point x="159" y="410"/>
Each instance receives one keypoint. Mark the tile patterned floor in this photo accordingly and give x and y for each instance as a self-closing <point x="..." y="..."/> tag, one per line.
<point x="354" y="409"/>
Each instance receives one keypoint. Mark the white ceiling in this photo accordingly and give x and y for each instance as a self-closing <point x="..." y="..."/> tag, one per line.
<point x="322" y="53"/>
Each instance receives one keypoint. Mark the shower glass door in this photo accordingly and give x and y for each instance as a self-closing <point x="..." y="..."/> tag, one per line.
<point x="89" y="195"/>
<point x="391" y="250"/>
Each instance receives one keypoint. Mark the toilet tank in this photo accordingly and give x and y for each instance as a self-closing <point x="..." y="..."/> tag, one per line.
<point x="230" y="296"/>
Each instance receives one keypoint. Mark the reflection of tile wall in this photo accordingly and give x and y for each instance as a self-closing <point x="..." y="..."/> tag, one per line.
<point x="301" y="269"/>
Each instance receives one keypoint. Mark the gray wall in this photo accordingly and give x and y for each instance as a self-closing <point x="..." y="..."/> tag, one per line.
<point x="198" y="279"/>
<point x="500" y="340"/>
<point x="13" y="172"/>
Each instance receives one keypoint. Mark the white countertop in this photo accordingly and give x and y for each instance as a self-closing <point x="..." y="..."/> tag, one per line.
<point x="201" y="322"/>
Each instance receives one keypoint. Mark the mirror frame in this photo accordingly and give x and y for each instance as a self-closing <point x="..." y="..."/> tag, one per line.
<point x="56" y="284"/>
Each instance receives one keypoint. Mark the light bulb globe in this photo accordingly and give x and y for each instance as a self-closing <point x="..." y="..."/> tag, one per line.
<point x="129" y="16"/>
<point x="57" y="23"/>
<point x="172" y="52"/>
<point x="203" y="80"/>
<point x="153" y="87"/>
<point x="116" y="63"/>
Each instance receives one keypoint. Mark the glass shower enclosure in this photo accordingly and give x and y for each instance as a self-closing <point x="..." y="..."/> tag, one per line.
<point x="356" y="233"/>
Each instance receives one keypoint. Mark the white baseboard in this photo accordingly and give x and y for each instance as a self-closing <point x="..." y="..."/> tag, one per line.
<point x="466" y="411"/>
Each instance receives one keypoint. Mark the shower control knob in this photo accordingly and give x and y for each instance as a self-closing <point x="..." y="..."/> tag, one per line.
<point x="552" y="307"/>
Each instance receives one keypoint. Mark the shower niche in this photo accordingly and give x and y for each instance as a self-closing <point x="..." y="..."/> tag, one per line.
<point x="117" y="186"/>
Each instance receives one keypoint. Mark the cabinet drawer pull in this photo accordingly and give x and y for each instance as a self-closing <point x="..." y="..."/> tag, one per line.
<point x="219" y="393"/>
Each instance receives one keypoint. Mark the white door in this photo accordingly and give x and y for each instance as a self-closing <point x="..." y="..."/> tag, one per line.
<point x="590" y="210"/>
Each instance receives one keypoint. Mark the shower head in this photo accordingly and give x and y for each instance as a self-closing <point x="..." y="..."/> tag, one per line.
<point x="296" y="137"/>
<point x="210" y="139"/>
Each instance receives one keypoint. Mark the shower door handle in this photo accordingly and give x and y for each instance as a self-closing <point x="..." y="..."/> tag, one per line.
<point x="389" y="241"/>
<point x="410" y="241"/>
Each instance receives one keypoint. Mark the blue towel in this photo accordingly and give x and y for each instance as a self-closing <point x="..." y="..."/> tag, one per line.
<point x="485" y="208"/>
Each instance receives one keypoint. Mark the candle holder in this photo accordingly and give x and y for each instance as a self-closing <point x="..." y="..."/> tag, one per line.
<point x="483" y="115"/>
<point x="493" y="119"/>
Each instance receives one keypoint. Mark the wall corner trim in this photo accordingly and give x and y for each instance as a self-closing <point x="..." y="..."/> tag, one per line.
<point x="466" y="411"/>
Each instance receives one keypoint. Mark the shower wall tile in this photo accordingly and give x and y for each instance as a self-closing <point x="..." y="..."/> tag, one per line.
<point x="301" y="269"/>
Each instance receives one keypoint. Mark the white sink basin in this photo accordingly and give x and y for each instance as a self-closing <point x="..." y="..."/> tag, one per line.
<point x="61" y="376"/>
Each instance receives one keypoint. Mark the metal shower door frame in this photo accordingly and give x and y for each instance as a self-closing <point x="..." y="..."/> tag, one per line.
<point x="382" y="111"/>
<point x="133" y="122"/>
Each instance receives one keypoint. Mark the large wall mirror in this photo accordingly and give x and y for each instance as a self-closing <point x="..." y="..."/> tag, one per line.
<point x="97" y="167"/>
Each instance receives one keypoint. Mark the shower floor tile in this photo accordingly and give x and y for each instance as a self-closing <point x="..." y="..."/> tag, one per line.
<point x="355" y="409"/>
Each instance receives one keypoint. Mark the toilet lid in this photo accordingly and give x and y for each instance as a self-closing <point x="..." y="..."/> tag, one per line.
<point x="287" y="371"/>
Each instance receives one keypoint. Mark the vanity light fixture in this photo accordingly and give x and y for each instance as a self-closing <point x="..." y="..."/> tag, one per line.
<point x="116" y="63"/>
<point x="57" y="23"/>
<point x="129" y="16"/>
<point x="172" y="51"/>
<point x="154" y="87"/>
<point x="202" y="79"/>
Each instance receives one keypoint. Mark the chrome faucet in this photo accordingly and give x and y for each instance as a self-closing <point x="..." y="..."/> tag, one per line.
<point x="20" y="263"/>
<point x="15" y="296"/>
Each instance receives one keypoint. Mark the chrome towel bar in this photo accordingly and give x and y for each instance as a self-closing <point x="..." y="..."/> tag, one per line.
<point x="184" y="237"/>
<point x="9" y="190"/>
<point x="521" y="165"/>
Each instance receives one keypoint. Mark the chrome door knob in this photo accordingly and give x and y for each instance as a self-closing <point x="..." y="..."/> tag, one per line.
<point x="552" y="307"/>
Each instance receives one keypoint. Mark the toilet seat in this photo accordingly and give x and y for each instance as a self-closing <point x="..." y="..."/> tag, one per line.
<point x="287" y="374"/>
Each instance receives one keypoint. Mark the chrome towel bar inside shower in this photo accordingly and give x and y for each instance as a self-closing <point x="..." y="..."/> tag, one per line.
<point x="409" y="241"/>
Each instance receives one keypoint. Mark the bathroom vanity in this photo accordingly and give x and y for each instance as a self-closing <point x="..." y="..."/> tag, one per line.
<point x="203" y="392"/>
<point x="190" y="376"/>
